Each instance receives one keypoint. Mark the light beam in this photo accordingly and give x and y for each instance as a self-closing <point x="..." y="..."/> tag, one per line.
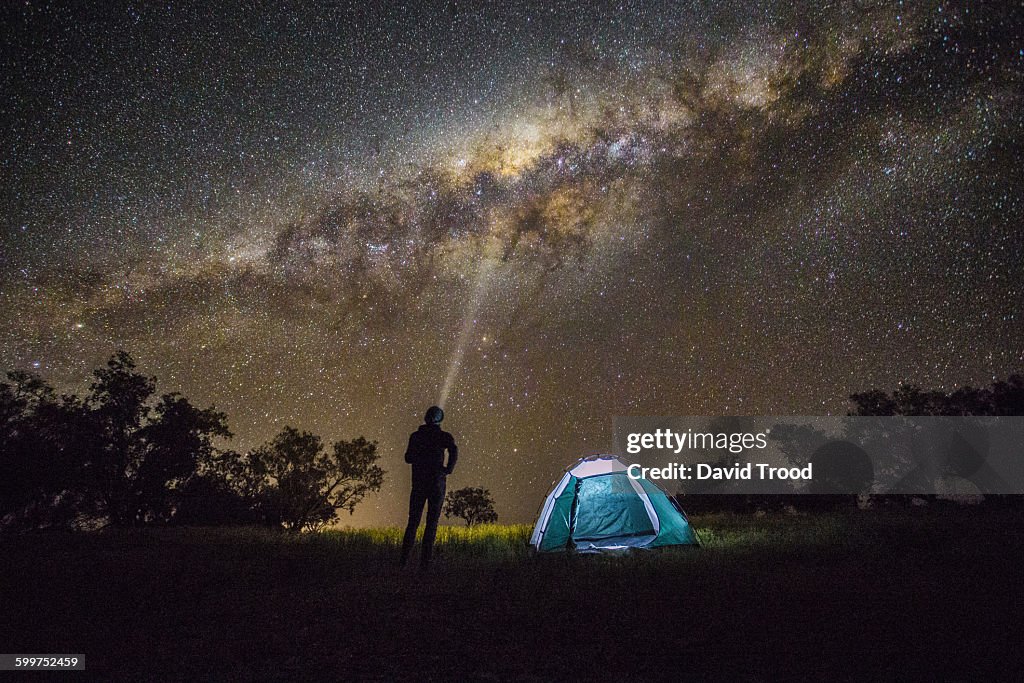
<point x="480" y="286"/>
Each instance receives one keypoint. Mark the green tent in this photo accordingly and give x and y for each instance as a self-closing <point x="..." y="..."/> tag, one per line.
<point x="596" y="506"/>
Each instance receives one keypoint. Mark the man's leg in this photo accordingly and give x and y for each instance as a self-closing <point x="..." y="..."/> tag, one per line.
<point x="434" y="504"/>
<point x="416" y="500"/>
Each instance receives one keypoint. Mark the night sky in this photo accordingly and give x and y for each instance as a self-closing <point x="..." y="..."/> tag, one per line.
<point x="316" y="215"/>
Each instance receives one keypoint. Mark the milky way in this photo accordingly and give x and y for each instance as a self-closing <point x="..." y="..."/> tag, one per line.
<point x="310" y="216"/>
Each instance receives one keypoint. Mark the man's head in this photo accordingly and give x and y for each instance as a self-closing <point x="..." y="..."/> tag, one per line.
<point x="434" y="415"/>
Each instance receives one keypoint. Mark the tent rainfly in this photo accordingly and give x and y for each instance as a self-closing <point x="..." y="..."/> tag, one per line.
<point x="596" y="506"/>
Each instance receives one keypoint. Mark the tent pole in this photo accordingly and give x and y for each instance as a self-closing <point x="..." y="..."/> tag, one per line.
<point x="570" y="544"/>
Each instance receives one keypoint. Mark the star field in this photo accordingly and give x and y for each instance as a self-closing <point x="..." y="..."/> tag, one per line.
<point x="301" y="214"/>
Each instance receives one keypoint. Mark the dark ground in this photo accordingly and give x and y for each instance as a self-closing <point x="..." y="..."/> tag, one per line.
<point x="914" y="595"/>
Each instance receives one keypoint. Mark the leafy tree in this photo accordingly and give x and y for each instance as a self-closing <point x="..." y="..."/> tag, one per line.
<point x="114" y="457"/>
<point x="295" y="483"/>
<point x="121" y="456"/>
<point x="174" y="443"/>
<point x="221" y="493"/>
<point x="139" y="455"/>
<point x="38" y="471"/>
<point x="474" y="505"/>
<point x="999" y="398"/>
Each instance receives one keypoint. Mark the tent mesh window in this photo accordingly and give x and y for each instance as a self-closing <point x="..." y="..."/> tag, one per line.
<point x="608" y="507"/>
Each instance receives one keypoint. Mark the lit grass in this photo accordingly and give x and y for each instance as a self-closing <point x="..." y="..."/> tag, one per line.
<point x="728" y="534"/>
<point x="724" y="538"/>
<point x="496" y="541"/>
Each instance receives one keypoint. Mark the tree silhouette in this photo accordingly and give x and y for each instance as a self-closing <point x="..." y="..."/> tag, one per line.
<point x="122" y="457"/>
<point x="139" y="455"/>
<point x="115" y="457"/>
<point x="174" y="444"/>
<point x="474" y="505"/>
<point x="213" y="499"/>
<point x="999" y="398"/>
<point x="38" y="481"/>
<point x="296" y="484"/>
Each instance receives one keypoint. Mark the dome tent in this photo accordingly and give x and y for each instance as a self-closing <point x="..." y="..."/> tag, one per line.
<point x="596" y="506"/>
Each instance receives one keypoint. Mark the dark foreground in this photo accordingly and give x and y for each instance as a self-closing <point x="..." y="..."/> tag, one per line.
<point x="923" y="594"/>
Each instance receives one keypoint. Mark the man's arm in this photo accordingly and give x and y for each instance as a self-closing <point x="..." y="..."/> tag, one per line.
<point x="410" y="451"/>
<point x="453" y="456"/>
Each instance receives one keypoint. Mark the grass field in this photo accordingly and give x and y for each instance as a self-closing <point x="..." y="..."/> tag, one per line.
<point x="919" y="594"/>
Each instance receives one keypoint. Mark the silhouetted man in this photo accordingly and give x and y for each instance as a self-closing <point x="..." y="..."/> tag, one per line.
<point x="426" y="455"/>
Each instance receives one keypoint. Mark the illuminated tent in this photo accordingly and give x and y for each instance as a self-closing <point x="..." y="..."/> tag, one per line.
<point x="596" y="506"/>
